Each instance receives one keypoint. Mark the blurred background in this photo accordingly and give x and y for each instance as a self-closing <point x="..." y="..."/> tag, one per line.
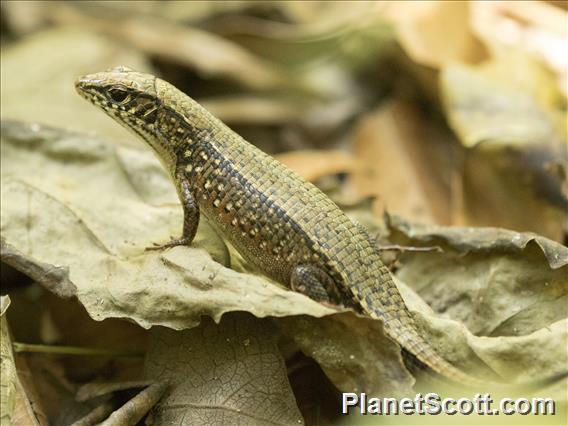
<point x="442" y="113"/>
<point x="449" y="113"/>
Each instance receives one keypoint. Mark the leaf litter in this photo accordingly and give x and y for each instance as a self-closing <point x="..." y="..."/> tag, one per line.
<point x="175" y="288"/>
<point x="492" y="302"/>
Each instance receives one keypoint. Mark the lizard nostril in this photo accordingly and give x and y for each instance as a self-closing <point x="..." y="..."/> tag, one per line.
<point x="81" y="86"/>
<point x="82" y="83"/>
<point x="88" y="80"/>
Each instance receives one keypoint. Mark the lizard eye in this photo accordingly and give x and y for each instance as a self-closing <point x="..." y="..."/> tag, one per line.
<point x="117" y="94"/>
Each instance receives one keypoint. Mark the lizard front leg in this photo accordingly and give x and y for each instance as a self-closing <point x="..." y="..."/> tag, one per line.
<point x="190" y="215"/>
<point x="314" y="283"/>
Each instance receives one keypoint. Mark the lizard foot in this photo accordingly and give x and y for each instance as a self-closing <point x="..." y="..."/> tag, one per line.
<point x="173" y="243"/>
<point x="314" y="290"/>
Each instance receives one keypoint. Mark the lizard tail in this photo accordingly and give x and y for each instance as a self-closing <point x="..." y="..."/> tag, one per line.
<point x="424" y="355"/>
<point x="384" y="302"/>
<point x="422" y="352"/>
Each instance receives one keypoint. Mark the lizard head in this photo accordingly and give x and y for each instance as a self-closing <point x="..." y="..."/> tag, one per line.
<point x="124" y="94"/>
<point x="162" y="115"/>
<point x="130" y="97"/>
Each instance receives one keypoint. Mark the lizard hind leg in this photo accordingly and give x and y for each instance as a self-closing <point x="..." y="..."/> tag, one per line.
<point x="315" y="283"/>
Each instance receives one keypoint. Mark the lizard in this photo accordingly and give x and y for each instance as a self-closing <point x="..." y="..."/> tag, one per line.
<point x="280" y="223"/>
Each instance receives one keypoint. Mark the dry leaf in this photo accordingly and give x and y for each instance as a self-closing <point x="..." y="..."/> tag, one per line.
<point x="97" y="200"/>
<point x="490" y="102"/>
<point x="513" y="189"/>
<point x="25" y="411"/>
<point x="520" y="359"/>
<point x="77" y="212"/>
<point x="502" y="282"/>
<point x="512" y="125"/>
<point x="230" y="373"/>
<point x="313" y="165"/>
<point x="535" y="27"/>
<point x="434" y="33"/>
<point x="353" y="352"/>
<point x="406" y="163"/>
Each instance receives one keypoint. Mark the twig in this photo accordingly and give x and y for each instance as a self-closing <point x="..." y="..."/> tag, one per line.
<point x="73" y="350"/>
<point x="402" y="249"/>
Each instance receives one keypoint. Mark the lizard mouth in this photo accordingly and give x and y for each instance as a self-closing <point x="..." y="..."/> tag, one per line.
<point x="91" y="88"/>
<point x="85" y="87"/>
<point x="84" y="84"/>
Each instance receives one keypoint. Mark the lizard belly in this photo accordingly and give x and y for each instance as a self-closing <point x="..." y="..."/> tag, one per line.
<point x="260" y="231"/>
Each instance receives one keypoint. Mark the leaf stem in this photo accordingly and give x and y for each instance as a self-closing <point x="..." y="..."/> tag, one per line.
<point x="73" y="350"/>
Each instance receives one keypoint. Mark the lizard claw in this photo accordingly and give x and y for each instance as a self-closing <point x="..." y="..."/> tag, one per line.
<point x="173" y="243"/>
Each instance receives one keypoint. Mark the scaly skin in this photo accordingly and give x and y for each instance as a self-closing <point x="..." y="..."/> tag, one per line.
<point x="280" y="223"/>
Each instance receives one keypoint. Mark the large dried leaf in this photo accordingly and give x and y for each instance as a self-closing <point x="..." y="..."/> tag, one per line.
<point x="422" y="29"/>
<point x="503" y="295"/>
<point x="489" y="103"/>
<point x="230" y="373"/>
<point x="405" y="162"/>
<point x="514" y="129"/>
<point x="515" y="188"/>
<point x="353" y="352"/>
<point x="108" y="204"/>
<point x="536" y="27"/>
<point x="313" y="165"/>
<point x="523" y="359"/>
<point x="497" y="282"/>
